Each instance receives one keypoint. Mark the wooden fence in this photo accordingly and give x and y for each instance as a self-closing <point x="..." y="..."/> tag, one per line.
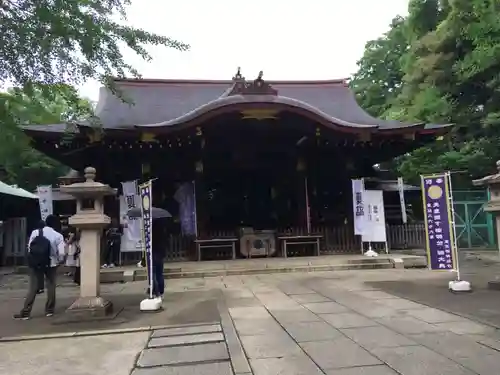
<point x="13" y="241"/>
<point x="335" y="240"/>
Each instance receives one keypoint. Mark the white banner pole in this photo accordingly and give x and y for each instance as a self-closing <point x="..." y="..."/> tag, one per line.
<point x="402" y="202"/>
<point x="452" y="209"/>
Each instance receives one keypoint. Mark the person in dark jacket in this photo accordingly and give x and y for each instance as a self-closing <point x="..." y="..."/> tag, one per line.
<point x="113" y="243"/>
<point x="48" y="271"/>
<point x="159" y="251"/>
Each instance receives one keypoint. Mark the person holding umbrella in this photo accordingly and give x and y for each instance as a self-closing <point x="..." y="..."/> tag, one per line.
<point x="158" y="213"/>
<point x="159" y="251"/>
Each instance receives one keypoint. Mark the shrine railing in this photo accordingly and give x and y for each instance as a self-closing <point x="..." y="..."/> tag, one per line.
<point x="335" y="240"/>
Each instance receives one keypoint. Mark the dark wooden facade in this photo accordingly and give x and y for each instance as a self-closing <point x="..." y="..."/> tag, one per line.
<point x="249" y="146"/>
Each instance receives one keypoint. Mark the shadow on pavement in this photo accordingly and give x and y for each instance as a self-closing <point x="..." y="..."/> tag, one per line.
<point x="179" y="308"/>
<point x="482" y="304"/>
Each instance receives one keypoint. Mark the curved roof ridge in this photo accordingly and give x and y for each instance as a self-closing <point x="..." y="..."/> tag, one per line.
<point x="153" y="81"/>
<point x="253" y="99"/>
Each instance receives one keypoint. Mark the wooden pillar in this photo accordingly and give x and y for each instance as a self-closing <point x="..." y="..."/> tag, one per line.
<point x="200" y="206"/>
<point x="301" y="191"/>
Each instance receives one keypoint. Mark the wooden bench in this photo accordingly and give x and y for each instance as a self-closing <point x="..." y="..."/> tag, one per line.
<point x="310" y="239"/>
<point x="216" y="243"/>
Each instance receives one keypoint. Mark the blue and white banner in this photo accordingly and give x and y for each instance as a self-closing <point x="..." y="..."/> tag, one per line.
<point x="146" y="194"/>
<point x="358" y="205"/>
<point x="439" y="225"/>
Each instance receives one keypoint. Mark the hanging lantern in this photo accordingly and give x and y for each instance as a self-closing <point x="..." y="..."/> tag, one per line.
<point x="94" y="135"/>
<point x="146" y="168"/>
<point x="148" y="138"/>
<point x="273" y="193"/>
<point x="199" y="167"/>
<point x="301" y="165"/>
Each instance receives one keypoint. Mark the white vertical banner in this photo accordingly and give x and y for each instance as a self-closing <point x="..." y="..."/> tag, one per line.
<point x="146" y="194"/>
<point x="45" y="200"/>
<point x="132" y="232"/>
<point x="401" y="189"/>
<point x="375" y="217"/>
<point x="130" y="242"/>
<point x="358" y="204"/>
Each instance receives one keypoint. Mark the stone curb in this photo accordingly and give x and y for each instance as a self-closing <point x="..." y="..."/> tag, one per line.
<point x="258" y="271"/>
<point x="97" y="332"/>
<point x="237" y="355"/>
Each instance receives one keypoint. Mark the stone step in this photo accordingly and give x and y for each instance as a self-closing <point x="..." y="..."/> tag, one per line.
<point x="176" y="274"/>
<point x="185" y="350"/>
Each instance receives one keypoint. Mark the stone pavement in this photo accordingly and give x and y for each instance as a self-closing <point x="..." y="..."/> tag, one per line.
<point x="188" y="305"/>
<point x="342" y="327"/>
<point x="483" y="304"/>
<point x="96" y="355"/>
<point x="337" y="323"/>
<point x="185" y="350"/>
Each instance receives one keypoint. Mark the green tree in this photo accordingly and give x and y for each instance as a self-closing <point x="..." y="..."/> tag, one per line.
<point x="24" y="165"/>
<point x="447" y="72"/>
<point x="47" y="47"/>
<point x="46" y="43"/>
<point x="453" y="77"/>
<point x="378" y="79"/>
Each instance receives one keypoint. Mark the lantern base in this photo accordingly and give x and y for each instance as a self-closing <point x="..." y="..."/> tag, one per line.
<point x="459" y="286"/>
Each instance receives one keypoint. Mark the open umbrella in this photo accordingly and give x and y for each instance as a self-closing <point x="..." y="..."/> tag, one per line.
<point x="157" y="213"/>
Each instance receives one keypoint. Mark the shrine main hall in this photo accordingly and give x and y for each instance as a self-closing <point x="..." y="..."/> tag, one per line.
<point x="268" y="157"/>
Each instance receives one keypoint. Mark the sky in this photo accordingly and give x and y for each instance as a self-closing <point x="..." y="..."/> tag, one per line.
<point x="287" y="40"/>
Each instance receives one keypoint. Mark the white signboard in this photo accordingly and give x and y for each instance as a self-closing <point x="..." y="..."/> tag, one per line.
<point x="131" y="242"/>
<point x="131" y="239"/>
<point x="401" y="190"/>
<point x="45" y="200"/>
<point x="358" y="204"/>
<point x="374" y="217"/>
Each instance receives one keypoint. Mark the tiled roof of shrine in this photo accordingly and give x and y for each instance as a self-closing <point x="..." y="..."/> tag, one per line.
<point x="163" y="103"/>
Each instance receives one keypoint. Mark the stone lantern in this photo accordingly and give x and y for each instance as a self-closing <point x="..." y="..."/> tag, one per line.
<point x="493" y="206"/>
<point x="70" y="178"/>
<point x="492" y="182"/>
<point x="90" y="220"/>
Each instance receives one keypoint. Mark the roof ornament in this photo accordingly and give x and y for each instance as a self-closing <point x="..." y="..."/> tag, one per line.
<point x="259" y="81"/>
<point x="238" y="76"/>
<point x="255" y="87"/>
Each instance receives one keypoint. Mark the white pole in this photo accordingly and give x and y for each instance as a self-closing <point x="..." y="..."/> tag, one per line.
<point x="150" y="270"/>
<point x="454" y="234"/>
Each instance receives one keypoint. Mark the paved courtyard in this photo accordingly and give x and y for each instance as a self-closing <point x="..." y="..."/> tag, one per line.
<point x="338" y="323"/>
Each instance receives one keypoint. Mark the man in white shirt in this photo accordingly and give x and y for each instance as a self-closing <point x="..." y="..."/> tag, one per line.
<point x="57" y="252"/>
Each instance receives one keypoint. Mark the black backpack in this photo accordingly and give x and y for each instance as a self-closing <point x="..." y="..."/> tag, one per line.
<point x="39" y="252"/>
